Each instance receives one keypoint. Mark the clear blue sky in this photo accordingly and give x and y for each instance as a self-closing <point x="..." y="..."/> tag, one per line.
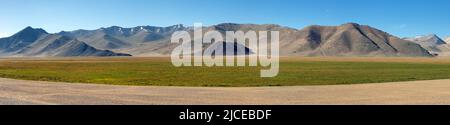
<point x="399" y="17"/>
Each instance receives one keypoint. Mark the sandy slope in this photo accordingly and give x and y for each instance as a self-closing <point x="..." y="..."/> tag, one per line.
<point x="33" y="92"/>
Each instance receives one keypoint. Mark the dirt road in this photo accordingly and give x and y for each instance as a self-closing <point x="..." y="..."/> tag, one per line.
<point x="36" y="92"/>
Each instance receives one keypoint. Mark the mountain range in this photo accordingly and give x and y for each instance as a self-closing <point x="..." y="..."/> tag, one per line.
<point x="349" y="39"/>
<point x="39" y="43"/>
<point x="432" y="43"/>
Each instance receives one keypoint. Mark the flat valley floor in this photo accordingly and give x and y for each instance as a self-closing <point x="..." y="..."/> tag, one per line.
<point x="23" y="92"/>
<point x="302" y="80"/>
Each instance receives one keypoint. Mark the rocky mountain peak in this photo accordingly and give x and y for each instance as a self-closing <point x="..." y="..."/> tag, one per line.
<point x="30" y="31"/>
<point x="430" y="39"/>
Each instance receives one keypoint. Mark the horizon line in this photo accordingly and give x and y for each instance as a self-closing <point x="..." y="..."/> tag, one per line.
<point x="189" y="26"/>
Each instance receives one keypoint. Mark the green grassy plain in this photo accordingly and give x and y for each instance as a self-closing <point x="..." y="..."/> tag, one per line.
<point x="158" y="71"/>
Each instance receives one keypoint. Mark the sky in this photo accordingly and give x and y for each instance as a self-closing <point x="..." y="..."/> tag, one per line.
<point x="402" y="18"/>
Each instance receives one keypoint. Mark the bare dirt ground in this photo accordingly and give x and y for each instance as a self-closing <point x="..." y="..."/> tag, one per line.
<point x="22" y="92"/>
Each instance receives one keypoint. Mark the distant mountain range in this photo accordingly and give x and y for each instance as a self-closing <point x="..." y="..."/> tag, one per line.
<point x="37" y="42"/>
<point x="349" y="39"/>
<point x="432" y="43"/>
